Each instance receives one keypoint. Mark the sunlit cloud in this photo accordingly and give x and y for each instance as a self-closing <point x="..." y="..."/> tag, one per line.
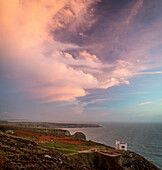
<point x="86" y="103"/>
<point x="145" y="103"/>
<point x="82" y="35"/>
<point x="35" y="59"/>
<point x="134" y="10"/>
<point x="48" y="53"/>
<point x="94" y="101"/>
<point x="155" y="72"/>
<point x="79" y="107"/>
<point x="39" y="63"/>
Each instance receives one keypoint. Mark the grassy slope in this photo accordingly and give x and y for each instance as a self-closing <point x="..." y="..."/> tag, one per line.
<point x="30" y="133"/>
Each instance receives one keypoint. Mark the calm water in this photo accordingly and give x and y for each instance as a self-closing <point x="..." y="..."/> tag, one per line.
<point x="142" y="138"/>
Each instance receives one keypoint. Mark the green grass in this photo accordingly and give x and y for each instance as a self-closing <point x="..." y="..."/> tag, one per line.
<point x="5" y="154"/>
<point x="3" y="122"/>
<point x="64" y="152"/>
<point x="32" y="125"/>
<point x="59" y="145"/>
<point x="65" y="149"/>
<point x="41" y="128"/>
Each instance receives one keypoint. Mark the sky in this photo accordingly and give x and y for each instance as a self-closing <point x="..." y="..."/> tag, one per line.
<point x="81" y="60"/>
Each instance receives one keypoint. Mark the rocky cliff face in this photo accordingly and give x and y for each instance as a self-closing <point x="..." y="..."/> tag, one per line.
<point x="79" y="135"/>
<point x="131" y="161"/>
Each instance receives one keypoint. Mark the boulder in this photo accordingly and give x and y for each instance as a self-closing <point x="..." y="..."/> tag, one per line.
<point x="79" y="135"/>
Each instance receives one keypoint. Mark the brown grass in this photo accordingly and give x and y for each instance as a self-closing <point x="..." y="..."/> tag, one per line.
<point x="42" y="138"/>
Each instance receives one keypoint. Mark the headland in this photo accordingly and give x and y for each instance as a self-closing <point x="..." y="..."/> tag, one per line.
<point x="52" y="148"/>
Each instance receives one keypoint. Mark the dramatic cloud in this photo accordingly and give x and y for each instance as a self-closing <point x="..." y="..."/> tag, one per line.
<point x="52" y="52"/>
<point x="34" y="59"/>
<point x="39" y="63"/>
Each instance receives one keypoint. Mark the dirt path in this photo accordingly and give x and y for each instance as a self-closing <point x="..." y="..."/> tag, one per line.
<point x="98" y="150"/>
<point x="89" y="150"/>
<point x="108" y="154"/>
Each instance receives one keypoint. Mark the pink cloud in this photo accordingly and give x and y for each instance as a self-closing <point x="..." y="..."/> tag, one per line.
<point x="145" y="103"/>
<point x="38" y="64"/>
<point x="49" y="77"/>
<point x="155" y="72"/>
<point x="26" y="32"/>
<point x="94" y="101"/>
<point x="134" y="10"/>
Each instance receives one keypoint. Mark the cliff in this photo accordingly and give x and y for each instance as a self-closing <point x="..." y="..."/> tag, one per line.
<point x="17" y="153"/>
<point x="131" y="161"/>
<point x="79" y="135"/>
<point x="39" y="149"/>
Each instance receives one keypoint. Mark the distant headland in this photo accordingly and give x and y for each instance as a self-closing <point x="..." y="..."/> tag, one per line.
<point x="50" y="124"/>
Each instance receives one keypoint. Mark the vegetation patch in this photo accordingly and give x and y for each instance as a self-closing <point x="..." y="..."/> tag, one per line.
<point x="5" y="154"/>
<point x="59" y="145"/>
<point x="87" y="158"/>
<point x="65" y="152"/>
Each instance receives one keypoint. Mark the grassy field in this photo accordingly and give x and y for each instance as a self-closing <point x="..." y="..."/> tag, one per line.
<point x="59" y="145"/>
<point x="67" y="149"/>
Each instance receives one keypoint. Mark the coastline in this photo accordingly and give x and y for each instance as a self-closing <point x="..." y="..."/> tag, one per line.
<point x="91" y="155"/>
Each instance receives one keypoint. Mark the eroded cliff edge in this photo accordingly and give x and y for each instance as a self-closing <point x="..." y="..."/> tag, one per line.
<point x="131" y="161"/>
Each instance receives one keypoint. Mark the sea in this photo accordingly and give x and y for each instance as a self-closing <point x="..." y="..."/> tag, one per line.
<point x="142" y="138"/>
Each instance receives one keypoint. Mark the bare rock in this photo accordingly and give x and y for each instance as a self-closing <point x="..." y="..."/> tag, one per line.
<point x="79" y="135"/>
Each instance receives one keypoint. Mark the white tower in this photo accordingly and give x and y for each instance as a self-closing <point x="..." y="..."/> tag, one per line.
<point x="121" y="146"/>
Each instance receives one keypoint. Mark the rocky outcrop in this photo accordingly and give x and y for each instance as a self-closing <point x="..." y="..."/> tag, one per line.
<point x="79" y="135"/>
<point x="131" y="161"/>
